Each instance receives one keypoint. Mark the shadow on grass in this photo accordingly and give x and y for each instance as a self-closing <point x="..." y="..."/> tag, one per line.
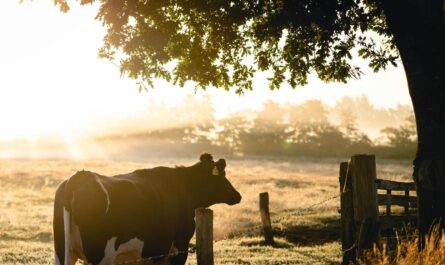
<point x="321" y="259"/>
<point x="38" y="237"/>
<point x="328" y="230"/>
<point x="262" y="243"/>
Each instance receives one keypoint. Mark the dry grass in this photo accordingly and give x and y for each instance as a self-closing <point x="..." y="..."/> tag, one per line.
<point x="305" y="236"/>
<point x="407" y="251"/>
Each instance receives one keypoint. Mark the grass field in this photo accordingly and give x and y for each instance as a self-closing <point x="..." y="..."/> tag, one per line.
<point x="305" y="236"/>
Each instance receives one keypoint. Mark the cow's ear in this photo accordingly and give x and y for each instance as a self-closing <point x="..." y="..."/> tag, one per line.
<point x="206" y="158"/>
<point x="221" y="164"/>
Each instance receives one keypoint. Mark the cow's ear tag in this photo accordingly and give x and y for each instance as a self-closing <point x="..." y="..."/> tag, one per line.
<point x="215" y="171"/>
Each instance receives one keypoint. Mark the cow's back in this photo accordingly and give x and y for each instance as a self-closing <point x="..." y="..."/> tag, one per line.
<point x="150" y="198"/>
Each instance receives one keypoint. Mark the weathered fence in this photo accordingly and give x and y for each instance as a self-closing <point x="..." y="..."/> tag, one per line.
<point x="409" y="203"/>
<point x="204" y="230"/>
<point x="361" y="195"/>
<point x="361" y="220"/>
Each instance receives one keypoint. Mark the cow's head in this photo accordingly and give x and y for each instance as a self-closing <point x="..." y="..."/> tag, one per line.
<point x="213" y="186"/>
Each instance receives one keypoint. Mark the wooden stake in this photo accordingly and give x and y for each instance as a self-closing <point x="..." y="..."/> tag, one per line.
<point x="364" y="198"/>
<point x="363" y="174"/>
<point x="346" y="215"/>
<point x="204" y="236"/>
<point x="265" y="218"/>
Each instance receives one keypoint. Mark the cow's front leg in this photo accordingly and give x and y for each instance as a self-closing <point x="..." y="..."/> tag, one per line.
<point x="181" y="258"/>
<point x="157" y="245"/>
<point x="182" y="241"/>
<point x="156" y="253"/>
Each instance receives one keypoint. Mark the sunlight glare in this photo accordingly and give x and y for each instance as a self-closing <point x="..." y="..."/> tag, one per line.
<point x="53" y="85"/>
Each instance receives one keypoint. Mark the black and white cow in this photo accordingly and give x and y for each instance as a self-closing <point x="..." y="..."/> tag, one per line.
<point x="104" y="220"/>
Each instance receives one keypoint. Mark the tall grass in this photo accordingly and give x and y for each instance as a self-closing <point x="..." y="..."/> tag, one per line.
<point x="408" y="252"/>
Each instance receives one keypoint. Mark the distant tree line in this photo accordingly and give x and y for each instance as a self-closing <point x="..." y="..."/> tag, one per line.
<point x="307" y="129"/>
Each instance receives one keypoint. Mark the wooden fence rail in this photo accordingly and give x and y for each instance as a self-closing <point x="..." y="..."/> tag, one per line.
<point x="405" y="200"/>
<point x="389" y="199"/>
<point x="400" y="200"/>
<point x="384" y="184"/>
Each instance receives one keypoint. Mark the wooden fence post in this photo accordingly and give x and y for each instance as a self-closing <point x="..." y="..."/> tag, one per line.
<point x="347" y="215"/>
<point x="364" y="197"/>
<point x="368" y="234"/>
<point x="388" y="200"/>
<point x="265" y="218"/>
<point x="204" y="236"/>
<point x="342" y="176"/>
<point x="406" y="207"/>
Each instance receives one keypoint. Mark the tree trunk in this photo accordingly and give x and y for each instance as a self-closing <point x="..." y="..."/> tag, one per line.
<point x="418" y="28"/>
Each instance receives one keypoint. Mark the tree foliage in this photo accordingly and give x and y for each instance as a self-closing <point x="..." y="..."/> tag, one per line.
<point x="404" y="136"/>
<point x="223" y="43"/>
<point x="305" y="129"/>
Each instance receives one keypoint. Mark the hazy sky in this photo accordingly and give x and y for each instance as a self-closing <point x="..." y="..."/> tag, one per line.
<point x="52" y="82"/>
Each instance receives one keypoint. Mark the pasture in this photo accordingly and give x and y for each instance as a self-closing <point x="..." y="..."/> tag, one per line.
<point x="304" y="235"/>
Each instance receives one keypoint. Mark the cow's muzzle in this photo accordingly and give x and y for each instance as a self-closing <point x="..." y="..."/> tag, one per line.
<point x="236" y="199"/>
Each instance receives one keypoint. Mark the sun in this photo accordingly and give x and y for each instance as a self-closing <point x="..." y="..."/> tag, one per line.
<point x="52" y="81"/>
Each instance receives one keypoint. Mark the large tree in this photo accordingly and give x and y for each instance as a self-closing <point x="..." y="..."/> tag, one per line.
<point x="223" y="43"/>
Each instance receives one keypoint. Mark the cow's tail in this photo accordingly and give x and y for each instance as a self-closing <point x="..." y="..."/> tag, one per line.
<point x="67" y="234"/>
<point x="59" y="225"/>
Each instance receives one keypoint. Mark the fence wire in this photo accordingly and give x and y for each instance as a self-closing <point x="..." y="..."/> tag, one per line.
<point x="311" y="207"/>
<point x="255" y="228"/>
<point x="152" y="258"/>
